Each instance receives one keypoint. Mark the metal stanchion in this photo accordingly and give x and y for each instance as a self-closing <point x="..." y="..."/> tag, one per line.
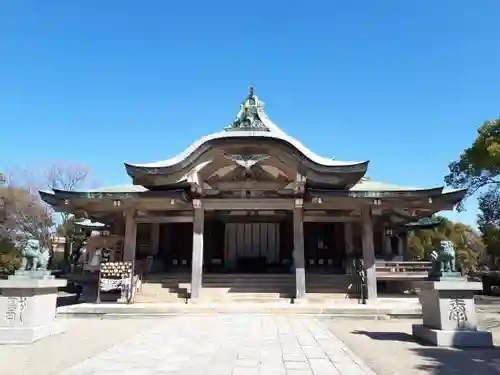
<point x="361" y="272"/>
<point x="98" y="299"/>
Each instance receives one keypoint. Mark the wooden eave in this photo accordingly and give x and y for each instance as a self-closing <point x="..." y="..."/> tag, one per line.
<point x="76" y="200"/>
<point x="50" y="198"/>
<point x="178" y="193"/>
<point x="398" y="194"/>
<point x="452" y="197"/>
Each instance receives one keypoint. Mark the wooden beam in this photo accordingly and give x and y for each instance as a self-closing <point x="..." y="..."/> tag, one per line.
<point x="331" y="219"/>
<point x="165" y="219"/>
<point x="211" y="204"/>
<point x="334" y="203"/>
<point x="156" y="204"/>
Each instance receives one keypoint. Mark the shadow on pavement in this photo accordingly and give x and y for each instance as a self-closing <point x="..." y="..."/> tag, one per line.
<point x="443" y="361"/>
<point x="386" y="336"/>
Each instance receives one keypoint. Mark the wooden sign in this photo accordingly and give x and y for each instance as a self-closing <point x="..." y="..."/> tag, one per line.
<point x="115" y="275"/>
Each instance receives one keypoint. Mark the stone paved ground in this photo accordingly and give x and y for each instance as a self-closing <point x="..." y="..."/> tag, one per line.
<point x="83" y="338"/>
<point x="228" y="345"/>
<point x="222" y="344"/>
<point x="389" y="349"/>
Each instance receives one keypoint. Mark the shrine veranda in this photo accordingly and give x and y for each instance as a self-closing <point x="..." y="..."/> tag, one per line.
<point x="250" y="199"/>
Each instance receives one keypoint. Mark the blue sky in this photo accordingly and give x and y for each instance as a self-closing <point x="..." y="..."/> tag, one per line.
<point x="404" y="84"/>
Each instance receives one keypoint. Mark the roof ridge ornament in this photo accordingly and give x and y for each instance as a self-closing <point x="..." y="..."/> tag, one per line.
<point x="248" y="117"/>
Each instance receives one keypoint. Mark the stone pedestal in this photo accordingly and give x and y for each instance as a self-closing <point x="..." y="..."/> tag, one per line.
<point x="28" y="307"/>
<point x="449" y="314"/>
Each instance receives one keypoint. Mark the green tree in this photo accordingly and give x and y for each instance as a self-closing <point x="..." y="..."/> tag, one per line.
<point x="10" y="258"/>
<point x="478" y="171"/>
<point x="467" y="242"/>
<point x="74" y="235"/>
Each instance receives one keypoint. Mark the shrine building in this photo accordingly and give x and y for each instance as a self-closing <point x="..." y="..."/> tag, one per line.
<point x="252" y="201"/>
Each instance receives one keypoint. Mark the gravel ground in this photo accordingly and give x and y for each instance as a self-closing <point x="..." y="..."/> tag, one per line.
<point x="83" y="339"/>
<point x="387" y="346"/>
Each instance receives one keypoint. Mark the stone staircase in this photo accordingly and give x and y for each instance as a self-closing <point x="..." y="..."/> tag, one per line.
<point x="324" y="287"/>
<point x="247" y="288"/>
<point x="164" y="288"/>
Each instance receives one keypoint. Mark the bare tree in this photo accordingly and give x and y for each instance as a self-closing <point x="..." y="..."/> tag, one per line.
<point x="24" y="215"/>
<point x="27" y="215"/>
<point x="66" y="176"/>
<point x="69" y="177"/>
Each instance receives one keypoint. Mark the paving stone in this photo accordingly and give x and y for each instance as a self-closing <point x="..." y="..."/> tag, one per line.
<point x="247" y="363"/>
<point x="223" y="345"/>
<point x="245" y="371"/>
<point x="314" y="352"/>
<point x="272" y="370"/>
<point x="323" y="367"/>
<point x="291" y="349"/>
<point x="297" y="365"/>
<point x="299" y="372"/>
<point x="295" y="357"/>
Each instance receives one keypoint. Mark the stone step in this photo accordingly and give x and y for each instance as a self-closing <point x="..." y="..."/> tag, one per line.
<point x="245" y="296"/>
<point x="218" y="291"/>
<point x="345" y="308"/>
<point x="250" y="288"/>
<point x="244" y="276"/>
<point x="252" y="281"/>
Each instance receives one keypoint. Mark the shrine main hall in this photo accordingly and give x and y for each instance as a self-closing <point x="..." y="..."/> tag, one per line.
<point x="252" y="200"/>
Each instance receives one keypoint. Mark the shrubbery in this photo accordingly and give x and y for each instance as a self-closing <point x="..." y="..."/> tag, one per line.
<point x="10" y="258"/>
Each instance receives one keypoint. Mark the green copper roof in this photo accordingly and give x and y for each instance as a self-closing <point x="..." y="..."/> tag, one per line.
<point x="424" y="223"/>
<point x="368" y="185"/>
<point x="126" y="188"/>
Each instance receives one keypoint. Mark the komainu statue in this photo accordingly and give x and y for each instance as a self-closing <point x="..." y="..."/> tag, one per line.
<point x="35" y="257"/>
<point x="443" y="260"/>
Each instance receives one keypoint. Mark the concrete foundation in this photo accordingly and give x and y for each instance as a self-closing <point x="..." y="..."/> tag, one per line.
<point x="453" y="338"/>
<point x="28" y="309"/>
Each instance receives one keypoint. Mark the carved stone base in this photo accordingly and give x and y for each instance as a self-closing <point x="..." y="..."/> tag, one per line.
<point x="447" y="276"/>
<point x="28" y="335"/>
<point x="449" y="305"/>
<point x="28" y="309"/>
<point x="38" y="274"/>
<point x="449" y="314"/>
<point x="453" y="338"/>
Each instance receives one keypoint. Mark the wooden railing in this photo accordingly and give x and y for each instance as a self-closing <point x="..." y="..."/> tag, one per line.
<point x="402" y="270"/>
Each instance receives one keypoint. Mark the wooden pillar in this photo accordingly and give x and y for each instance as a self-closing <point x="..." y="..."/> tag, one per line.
<point x="197" y="260"/>
<point x="368" y="252"/>
<point x="154" y="241"/>
<point x="298" y="249"/>
<point x="400" y="245"/>
<point x="405" y="246"/>
<point x="130" y="239"/>
<point x="349" y="246"/>
<point x="387" y="243"/>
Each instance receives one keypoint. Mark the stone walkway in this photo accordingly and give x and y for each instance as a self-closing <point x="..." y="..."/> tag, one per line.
<point x="228" y="345"/>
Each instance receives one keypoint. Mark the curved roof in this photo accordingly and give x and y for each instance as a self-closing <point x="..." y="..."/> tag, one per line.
<point x="251" y="121"/>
